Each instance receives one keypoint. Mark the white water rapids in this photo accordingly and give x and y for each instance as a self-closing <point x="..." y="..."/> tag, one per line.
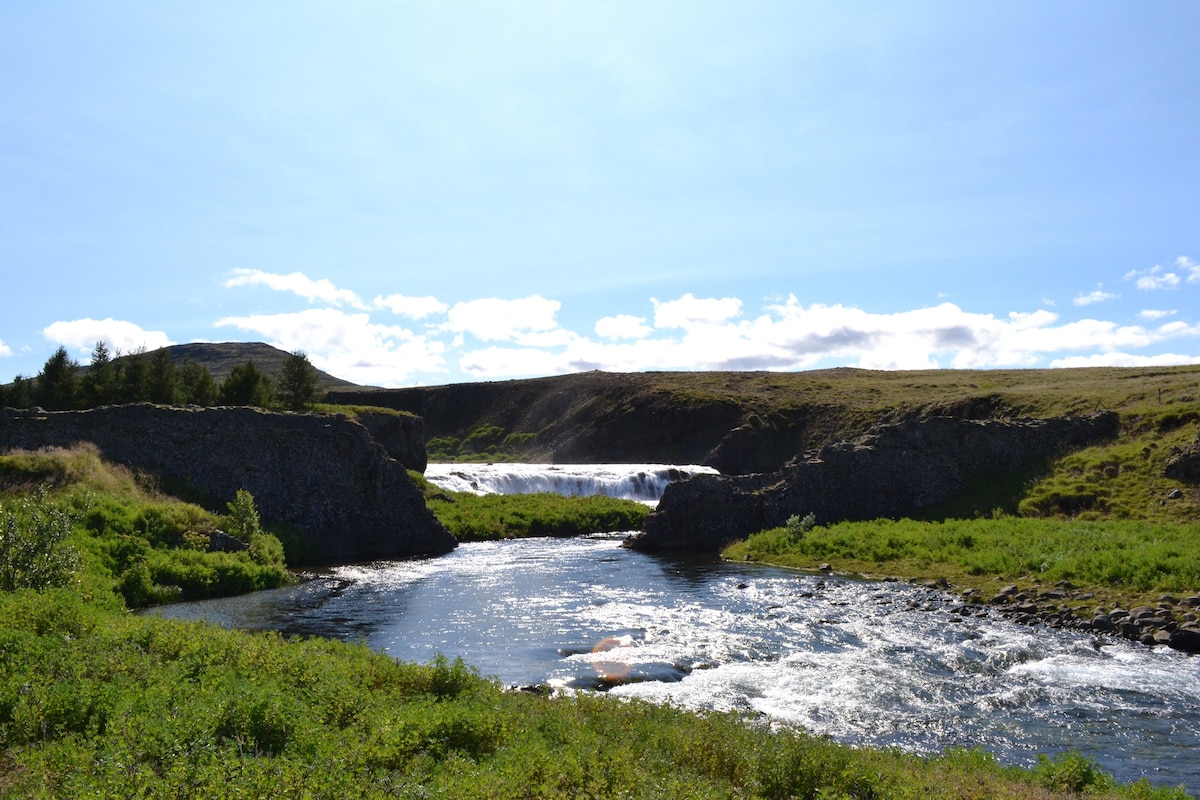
<point x="642" y="482"/>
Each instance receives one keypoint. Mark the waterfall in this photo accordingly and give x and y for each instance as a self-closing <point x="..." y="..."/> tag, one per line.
<point x="642" y="482"/>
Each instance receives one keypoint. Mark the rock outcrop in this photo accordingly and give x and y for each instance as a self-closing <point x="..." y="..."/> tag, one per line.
<point x="1184" y="464"/>
<point x="323" y="474"/>
<point x="891" y="471"/>
<point x="401" y="435"/>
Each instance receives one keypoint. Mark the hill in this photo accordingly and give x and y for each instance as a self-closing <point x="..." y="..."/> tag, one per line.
<point x="741" y="422"/>
<point x="219" y="358"/>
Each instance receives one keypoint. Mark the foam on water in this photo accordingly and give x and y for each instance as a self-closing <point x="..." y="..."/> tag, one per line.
<point x="642" y="482"/>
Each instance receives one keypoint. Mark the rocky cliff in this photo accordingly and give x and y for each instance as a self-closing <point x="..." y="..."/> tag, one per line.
<point x="891" y="471"/>
<point x="324" y="474"/>
<point x="402" y="436"/>
<point x="752" y="422"/>
<point x="599" y="417"/>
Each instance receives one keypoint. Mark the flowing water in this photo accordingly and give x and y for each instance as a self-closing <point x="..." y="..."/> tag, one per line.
<point x="884" y="664"/>
<point x="641" y="482"/>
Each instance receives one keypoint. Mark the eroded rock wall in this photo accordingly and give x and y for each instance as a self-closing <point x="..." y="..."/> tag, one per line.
<point x="324" y="474"/>
<point x="402" y="436"/>
<point x="890" y="472"/>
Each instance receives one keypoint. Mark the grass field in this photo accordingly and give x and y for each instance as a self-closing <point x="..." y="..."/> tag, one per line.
<point x="1123" y="562"/>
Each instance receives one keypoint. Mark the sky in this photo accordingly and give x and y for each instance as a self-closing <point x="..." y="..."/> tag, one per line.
<point x="422" y="193"/>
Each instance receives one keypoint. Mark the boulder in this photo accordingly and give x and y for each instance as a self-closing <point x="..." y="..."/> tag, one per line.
<point x="1185" y="639"/>
<point x="1184" y="464"/>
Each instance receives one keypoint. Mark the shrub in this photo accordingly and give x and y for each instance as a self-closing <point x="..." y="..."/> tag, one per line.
<point x="243" y="521"/>
<point x="1071" y="771"/>
<point x="797" y="526"/>
<point x="33" y="549"/>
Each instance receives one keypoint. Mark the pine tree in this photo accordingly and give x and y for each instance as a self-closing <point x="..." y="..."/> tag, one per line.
<point x="196" y="385"/>
<point x="246" y="385"/>
<point x="163" y="385"/>
<point x="19" y="393"/>
<point x="57" y="388"/>
<point x="298" y="386"/>
<point x="100" y="384"/>
<point x="135" y="377"/>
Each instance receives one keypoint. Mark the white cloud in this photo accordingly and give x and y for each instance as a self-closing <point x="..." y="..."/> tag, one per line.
<point x="497" y="338"/>
<point x="790" y="336"/>
<point x="81" y="335"/>
<point x="411" y="307"/>
<point x="347" y="345"/>
<point x="1190" y="267"/>
<point x="492" y="319"/>
<point x="1153" y="314"/>
<point x="1154" y="278"/>
<point x="1098" y="296"/>
<point x="297" y="283"/>
<point x="690" y="312"/>
<point x="5" y="350"/>
<point x="623" y="326"/>
<point x="1125" y="360"/>
<point x="512" y="361"/>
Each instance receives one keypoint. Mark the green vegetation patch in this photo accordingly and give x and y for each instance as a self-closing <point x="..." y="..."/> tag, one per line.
<point x="1119" y="480"/>
<point x="357" y="410"/>
<point x="1125" y="559"/>
<point x="146" y="547"/>
<point x="487" y="443"/>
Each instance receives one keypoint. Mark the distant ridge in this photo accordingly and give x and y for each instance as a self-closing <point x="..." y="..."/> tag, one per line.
<point x="219" y="358"/>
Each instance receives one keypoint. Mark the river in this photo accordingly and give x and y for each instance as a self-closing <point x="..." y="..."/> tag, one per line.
<point x="870" y="663"/>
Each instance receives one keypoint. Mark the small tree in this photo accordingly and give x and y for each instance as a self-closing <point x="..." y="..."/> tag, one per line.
<point x="196" y="384"/>
<point x="57" y="388"/>
<point x="243" y="521"/>
<point x="298" y="386"/>
<point x="246" y="385"/>
<point x="163" y="385"/>
<point x="101" y="383"/>
<point x="33" y="549"/>
<point x="135" y="377"/>
<point x="19" y="393"/>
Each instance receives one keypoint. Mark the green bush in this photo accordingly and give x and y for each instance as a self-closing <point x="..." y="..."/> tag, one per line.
<point x="1071" y="771"/>
<point x="34" y="552"/>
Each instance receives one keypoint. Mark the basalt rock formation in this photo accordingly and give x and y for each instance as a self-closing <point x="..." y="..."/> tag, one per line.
<point x="891" y="471"/>
<point x="323" y="474"/>
<point x="402" y="436"/>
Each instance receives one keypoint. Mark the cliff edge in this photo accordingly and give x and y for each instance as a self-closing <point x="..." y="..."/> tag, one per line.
<point x="323" y="474"/>
<point x="891" y="471"/>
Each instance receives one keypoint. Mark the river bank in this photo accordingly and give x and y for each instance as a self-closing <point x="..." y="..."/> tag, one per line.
<point x="1131" y="580"/>
<point x="869" y="664"/>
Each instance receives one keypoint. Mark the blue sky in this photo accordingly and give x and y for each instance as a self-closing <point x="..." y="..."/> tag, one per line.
<point x="433" y="192"/>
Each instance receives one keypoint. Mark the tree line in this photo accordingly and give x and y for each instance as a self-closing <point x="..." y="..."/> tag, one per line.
<point x="141" y="377"/>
